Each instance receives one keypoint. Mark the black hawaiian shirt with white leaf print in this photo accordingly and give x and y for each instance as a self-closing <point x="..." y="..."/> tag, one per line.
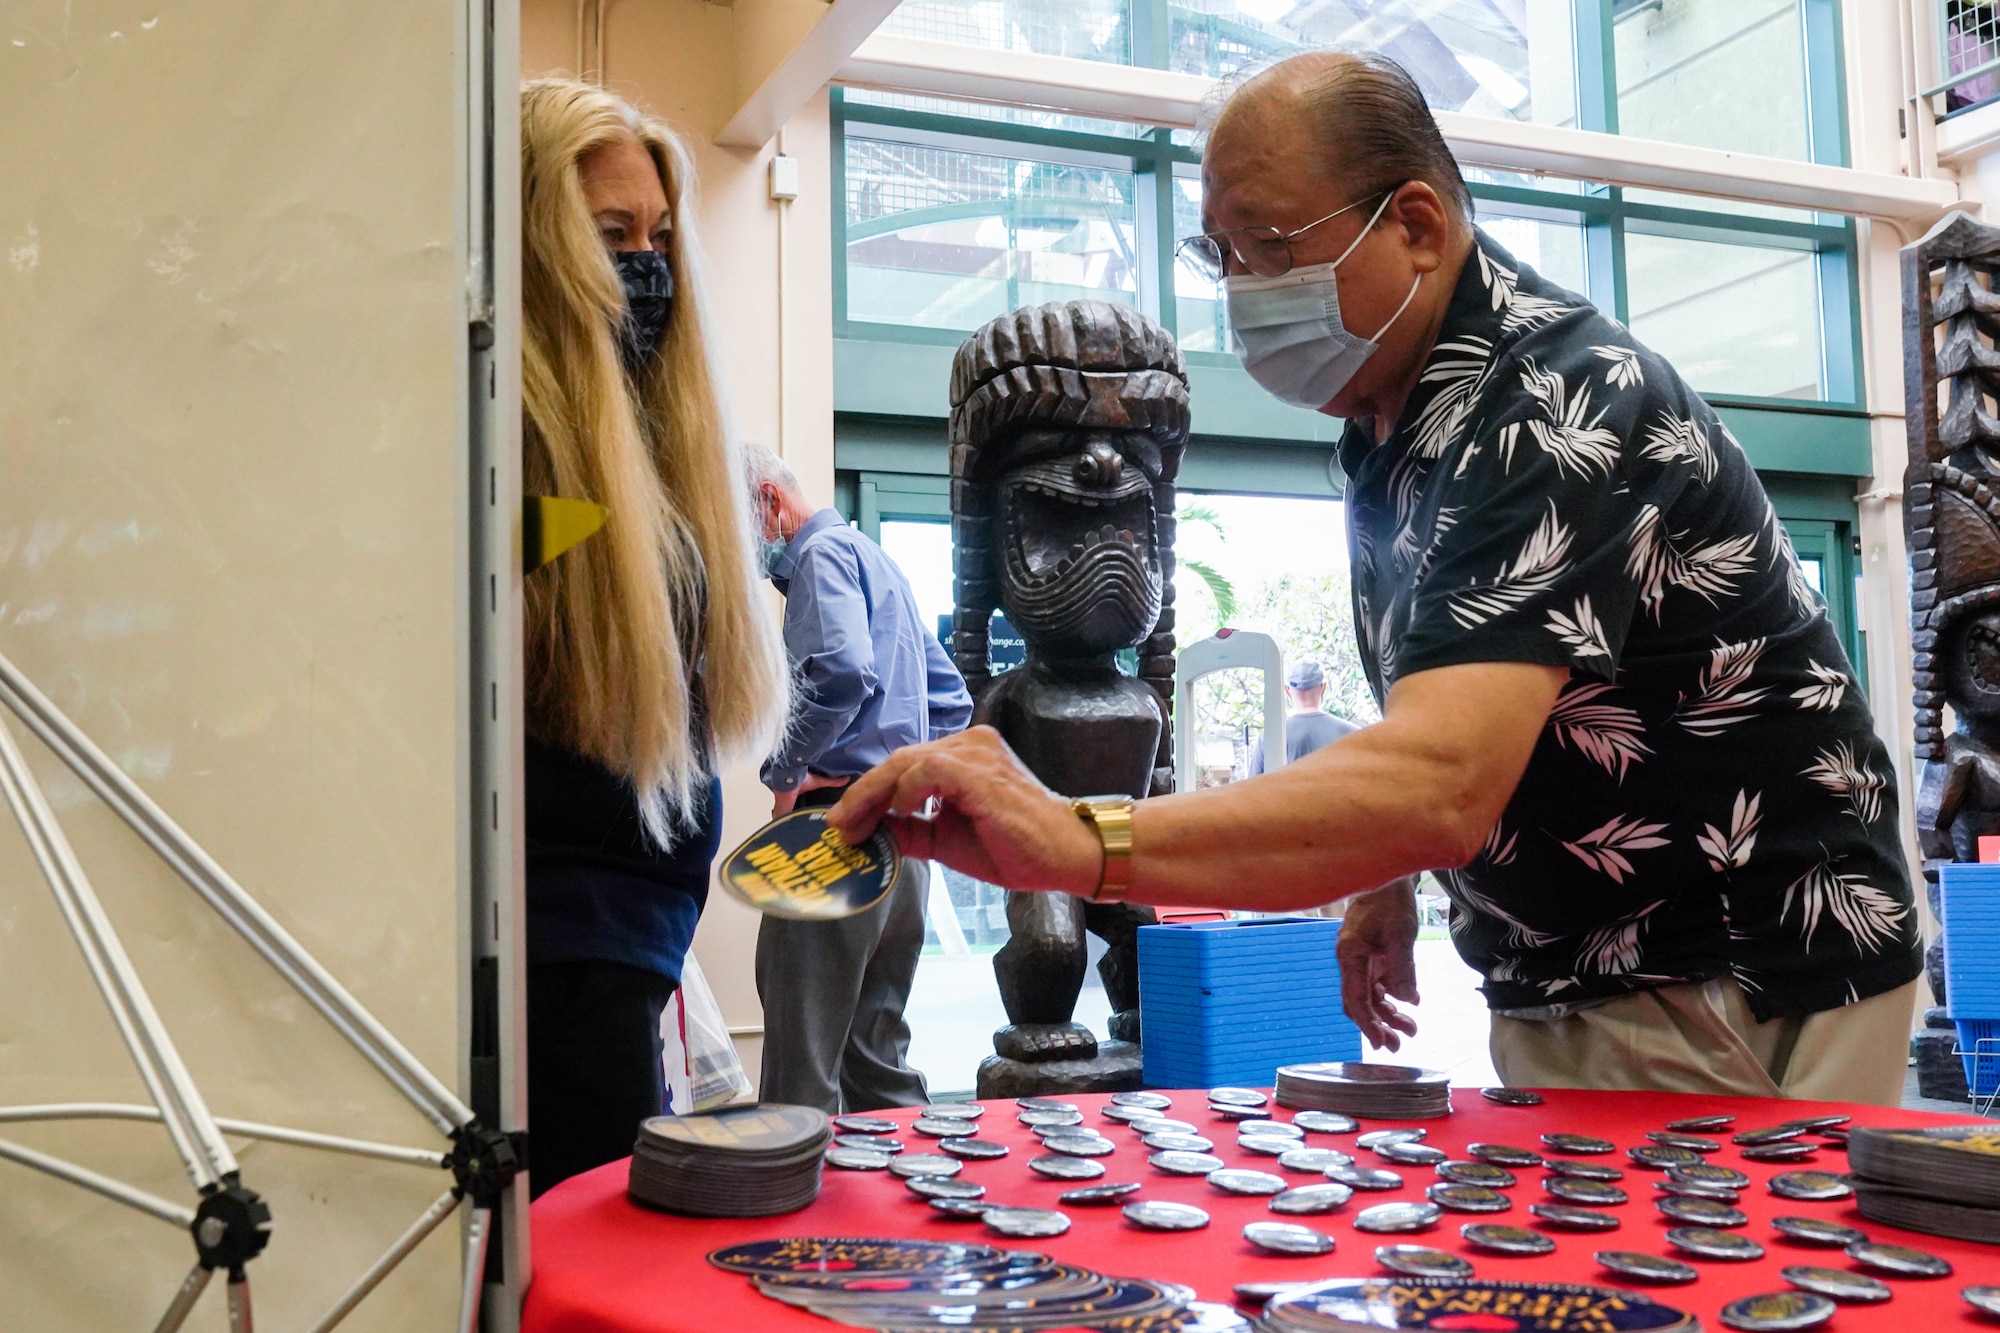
<point x="1709" y="797"/>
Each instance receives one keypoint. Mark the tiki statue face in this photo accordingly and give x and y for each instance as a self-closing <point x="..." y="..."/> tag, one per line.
<point x="1068" y="423"/>
<point x="1081" y="570"/>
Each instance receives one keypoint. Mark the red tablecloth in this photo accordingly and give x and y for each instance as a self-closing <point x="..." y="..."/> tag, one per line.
<point x="604" y="1265"/>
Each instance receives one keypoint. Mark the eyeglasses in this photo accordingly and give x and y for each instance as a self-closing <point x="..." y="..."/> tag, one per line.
<point x="1264" y="251"/>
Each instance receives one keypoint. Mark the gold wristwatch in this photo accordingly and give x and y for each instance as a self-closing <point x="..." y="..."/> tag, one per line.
<point x="1111" y="816"/>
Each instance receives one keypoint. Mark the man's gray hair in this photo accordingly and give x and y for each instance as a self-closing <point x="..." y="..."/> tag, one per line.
<point x="760" y="465"/>
<point x="1369" y="121"/>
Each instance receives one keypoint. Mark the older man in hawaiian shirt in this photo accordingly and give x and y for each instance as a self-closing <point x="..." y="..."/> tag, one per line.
<point x="1616" y="720"/>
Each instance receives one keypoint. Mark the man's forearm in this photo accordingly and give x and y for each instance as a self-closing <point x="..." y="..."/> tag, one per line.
<point x="1346" y="819"/>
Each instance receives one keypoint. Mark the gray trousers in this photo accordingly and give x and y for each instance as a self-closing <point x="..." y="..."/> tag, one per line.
<point x="833" y="994"/>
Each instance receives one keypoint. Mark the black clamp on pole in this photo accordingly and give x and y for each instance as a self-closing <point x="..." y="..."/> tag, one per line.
<point x="483" y="1161"/>
<point x="232" y="1225"/>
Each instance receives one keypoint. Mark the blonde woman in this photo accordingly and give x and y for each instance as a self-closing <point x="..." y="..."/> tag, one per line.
<point x="650" y="656"/>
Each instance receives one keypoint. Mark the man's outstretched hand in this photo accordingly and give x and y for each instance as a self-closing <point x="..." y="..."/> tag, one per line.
<point x="994" y="820"/>
<point x="1377" y="952"/>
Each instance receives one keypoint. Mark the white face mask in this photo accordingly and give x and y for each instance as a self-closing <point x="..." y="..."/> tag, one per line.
<point x="1288" y="332"/>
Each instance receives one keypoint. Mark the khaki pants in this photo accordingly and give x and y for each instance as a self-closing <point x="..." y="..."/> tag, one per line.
<point x="1701" y="1037"/>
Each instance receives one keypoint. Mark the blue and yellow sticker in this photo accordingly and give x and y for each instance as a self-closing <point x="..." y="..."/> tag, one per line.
<point x="796" y="867"/>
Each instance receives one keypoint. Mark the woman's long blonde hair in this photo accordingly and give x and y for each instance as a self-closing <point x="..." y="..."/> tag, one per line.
<point x="649" y="647"/>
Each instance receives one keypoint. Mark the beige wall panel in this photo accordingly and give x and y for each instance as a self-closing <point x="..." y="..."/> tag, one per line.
<point x="229" y="487"/>
<point x="675" y="58"/>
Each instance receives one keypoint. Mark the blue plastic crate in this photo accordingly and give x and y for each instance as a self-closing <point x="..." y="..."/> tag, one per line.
<point x="1979" y="1039"/>
<point x="1969" y="896"/>
<point x="1230" y="1001"/>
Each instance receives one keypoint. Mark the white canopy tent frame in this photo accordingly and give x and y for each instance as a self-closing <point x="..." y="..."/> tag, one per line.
<point x="481" y="1160"/>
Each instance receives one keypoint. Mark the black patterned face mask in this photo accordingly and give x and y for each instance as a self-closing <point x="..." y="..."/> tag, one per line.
<point x="649" y="301"/>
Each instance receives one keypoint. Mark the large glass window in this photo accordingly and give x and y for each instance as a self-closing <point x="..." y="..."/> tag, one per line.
<point x="1083" y="29"/>
<point x="1718" y="73"/>
<point x="1733" y="319"/>
<point x="956" y="212"/>
<point x="941" y="237"/>
<point x="1503" y="58"/>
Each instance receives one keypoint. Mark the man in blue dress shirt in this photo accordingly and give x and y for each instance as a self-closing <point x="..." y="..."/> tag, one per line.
<point x="870" y="679"/>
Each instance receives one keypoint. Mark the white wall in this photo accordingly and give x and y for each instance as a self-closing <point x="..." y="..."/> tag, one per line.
<point x="229" y="514"/>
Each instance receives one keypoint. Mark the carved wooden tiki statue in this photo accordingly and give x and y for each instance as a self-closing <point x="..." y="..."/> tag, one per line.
<point x="1951" y="508"/>
<point x="1067" y="426"/>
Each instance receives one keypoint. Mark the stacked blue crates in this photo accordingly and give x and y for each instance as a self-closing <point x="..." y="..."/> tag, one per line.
<point x="1970" y="898"/>
<point x="1229" y="1001"/>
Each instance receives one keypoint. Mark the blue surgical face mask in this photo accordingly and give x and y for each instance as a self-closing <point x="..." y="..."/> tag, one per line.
<point x="774" y="551"/>
<point x="1288" y="330"/>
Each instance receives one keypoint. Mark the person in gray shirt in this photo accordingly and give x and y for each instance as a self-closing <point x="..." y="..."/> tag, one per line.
<point x="1309" y="728"/>
<point x="870" y="679"/>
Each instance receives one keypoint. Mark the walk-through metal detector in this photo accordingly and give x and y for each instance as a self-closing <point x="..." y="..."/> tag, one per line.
<point x="1228" y="650"/>
<point x="242" y="287"/>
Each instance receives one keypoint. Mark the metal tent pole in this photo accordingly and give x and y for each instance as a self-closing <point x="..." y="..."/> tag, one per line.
<point x="230" y="901"/>
<point x="151" y="1205"/>
<point x="395" y="1254"/>
<point x="195" y="1136"/>
<point x="476" y="1234"/>
<point x="249" y="1129"/>
<point x="184" y="1300"/>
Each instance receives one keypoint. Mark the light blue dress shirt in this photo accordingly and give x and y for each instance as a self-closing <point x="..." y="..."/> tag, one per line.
<point x="871" y="678"/>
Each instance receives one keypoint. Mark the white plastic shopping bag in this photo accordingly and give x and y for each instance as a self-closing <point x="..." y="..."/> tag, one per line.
<point x="702" y="1069"/>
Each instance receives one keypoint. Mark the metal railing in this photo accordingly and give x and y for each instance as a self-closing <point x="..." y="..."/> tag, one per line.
<point x="1968" y="52"/>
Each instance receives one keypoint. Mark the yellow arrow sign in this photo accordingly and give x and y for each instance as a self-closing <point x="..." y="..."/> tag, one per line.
<point x="551" y="525"/>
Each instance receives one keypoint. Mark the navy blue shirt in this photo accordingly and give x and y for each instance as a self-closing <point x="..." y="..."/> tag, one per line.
<point x="598" y="889"/>
<point x="871" y="677"/>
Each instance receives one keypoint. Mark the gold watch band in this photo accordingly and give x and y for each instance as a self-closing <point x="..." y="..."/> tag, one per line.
<point x="1111" y="816"/>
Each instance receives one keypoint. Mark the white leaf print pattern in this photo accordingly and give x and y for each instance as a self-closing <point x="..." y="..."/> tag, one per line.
<point x="1461" y="367"/>
<point x="1721" y="698"/>
<point x="1576" y="441"/>
<point x="1524" y="311"/>
<point x="1825" y="696"/>
<point x="1405" y="479"/>
<point x="1499" y="279"/>
<point x="1709" y="571"/>
<point x="1842" y="772"/>
<point x="1538" y="567"/>
<point x="1520" y="935"/>
<point x="1677" y="439"/>
<point x="1803" y="597"/>
<point x="1609" y="735"/>
<point x="1446" y="519"/>
<point x="1614" y="950"/>
<point x="1731" y="850"/>
<point x="1580" y="631"/>
<point x="1499" y="850"/>
<point x="1624" y="372"/>
<point x="1603" y="848"/>
<point x="1868" y="915"/>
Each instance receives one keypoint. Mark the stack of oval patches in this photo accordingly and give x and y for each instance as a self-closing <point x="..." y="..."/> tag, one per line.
<point x="1380" y="1092"/>
<point x="741" y="1161"/>
<point x="1944" y="1179"/>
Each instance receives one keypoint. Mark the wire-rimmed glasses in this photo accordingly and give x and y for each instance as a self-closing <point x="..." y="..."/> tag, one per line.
<point x="1264" y="251"/>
